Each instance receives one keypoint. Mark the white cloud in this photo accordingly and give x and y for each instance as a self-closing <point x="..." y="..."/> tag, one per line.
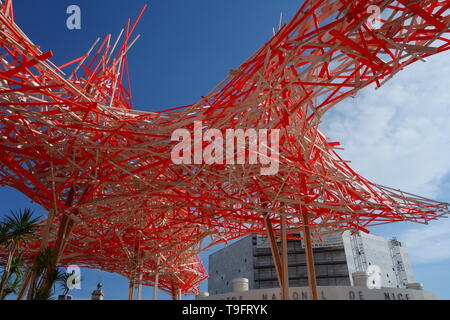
<point x="428" y="244"/>
<point x="399" y="136"/>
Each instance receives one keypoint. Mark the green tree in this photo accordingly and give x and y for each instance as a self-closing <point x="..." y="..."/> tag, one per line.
<point x="14" y="281"/>
<point x="63" y="282"/>
<point x="15" y="230"/>
<point x="48" y="277"/>
<point x="45" y="258"/>
<point x="4" y="229"/>
<point x="46" y="292"/>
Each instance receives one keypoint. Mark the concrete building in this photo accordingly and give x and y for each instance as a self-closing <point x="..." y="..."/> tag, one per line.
<point x="337" y="257"/>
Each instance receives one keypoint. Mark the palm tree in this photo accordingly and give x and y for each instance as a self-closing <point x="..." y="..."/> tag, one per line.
<point x="63" y="282"/>
<point x="43" y="288"/>
<point x="18" y="228"/>
<point x="43" y="260"/>
<point x="15" y="277"/>
<point x="44" y="292"/>
<point x="4" y="228"/>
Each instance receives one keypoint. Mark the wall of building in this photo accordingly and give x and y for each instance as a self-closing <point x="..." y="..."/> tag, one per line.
<point x="331" y="268"/>
<point x="349" y="254"/>
<point x="233" y="261"/>
<point x="407" y="263"/>
<point x="251" y="258"/>
<point x="334" y="259"/>
<point x="379" y="251"/>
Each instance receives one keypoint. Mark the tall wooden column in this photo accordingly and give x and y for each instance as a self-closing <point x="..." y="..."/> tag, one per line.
<point x="131" y="289"/>
<point x="276" y="259"/>
<point x="309" y="257"/>
<point x="284" y="260"/>
<point x="155" y="287"/>
<point x="140" y="285"/>
<point x="65" y="228"/>
<point x="176" y="293"/>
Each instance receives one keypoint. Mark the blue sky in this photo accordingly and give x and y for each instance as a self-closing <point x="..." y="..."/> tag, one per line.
<point x="393" y="136"/>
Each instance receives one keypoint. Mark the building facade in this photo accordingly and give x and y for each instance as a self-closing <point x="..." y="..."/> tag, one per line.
<point x="328" y="293"/>
<point x="336" y="258"/>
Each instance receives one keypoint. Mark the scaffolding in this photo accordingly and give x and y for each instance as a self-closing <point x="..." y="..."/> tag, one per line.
<point x="397" y="262"/>
<point x="358" y="252"/>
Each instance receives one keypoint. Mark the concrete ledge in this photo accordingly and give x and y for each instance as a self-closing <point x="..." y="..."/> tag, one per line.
<point x="330" y="293"/>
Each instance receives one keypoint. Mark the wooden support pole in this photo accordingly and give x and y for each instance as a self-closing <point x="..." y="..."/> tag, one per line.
<point x="47" y="229"/>
<point x="140" y="286"/>
<point x="64" y="230"/>
<point x="67" y="223"/>
<point x="275" y="253"/>
<point x="309" y="257"/>
<point x="173" y="292"/>
<point x="155" y="287"/>
<point x="176" y="293"/>
<point x="284" y="260"/>
<point x="131" y="289"/>
<point x="67" y="235"/>
<point x="51" y="214"/>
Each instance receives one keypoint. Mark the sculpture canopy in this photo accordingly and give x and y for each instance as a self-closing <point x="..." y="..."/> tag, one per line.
<point x="73" y="143"/>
